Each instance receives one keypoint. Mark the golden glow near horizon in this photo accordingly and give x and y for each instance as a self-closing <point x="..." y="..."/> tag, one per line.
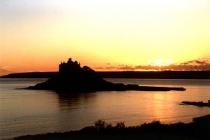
<point x="37" y="35"/>
<point x="161" y="62"/>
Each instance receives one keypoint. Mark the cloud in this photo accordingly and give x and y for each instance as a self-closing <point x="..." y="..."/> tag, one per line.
<point x="193" y="65"/>
<point x="196" y="62"/>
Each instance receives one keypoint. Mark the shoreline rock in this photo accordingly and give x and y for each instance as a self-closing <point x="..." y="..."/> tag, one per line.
<point x="199" y="104"/>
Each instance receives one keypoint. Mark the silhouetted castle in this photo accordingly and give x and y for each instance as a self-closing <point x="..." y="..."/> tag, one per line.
<point x="72" y="77"/>
<point x="69" y="67"/>
<point x="73" y="68"/>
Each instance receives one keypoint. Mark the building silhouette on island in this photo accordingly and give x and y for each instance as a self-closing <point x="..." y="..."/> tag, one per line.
<point x="74" y="78"/>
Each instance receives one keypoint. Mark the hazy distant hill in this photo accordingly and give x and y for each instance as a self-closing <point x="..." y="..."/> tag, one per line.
<point x="30" y="75"/>
<point x="126" y="74"/>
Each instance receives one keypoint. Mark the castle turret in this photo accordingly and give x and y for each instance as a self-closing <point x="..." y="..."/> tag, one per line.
<point x="69" y="67"/>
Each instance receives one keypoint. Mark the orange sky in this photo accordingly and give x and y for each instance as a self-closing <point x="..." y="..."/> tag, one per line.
<point x="38" y="35"/>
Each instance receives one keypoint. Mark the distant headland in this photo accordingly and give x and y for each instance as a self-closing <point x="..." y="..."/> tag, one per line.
<point x="73" y="77"/>
<point x="124" y="74"/>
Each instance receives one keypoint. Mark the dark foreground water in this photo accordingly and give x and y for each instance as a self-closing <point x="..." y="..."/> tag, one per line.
<point x="24" y="112"/>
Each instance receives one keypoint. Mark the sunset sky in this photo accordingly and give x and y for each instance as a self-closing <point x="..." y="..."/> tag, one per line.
<point x="36" y="35"/>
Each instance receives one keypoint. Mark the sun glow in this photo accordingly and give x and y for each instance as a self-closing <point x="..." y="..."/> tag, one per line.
<point x="162" y="62"/>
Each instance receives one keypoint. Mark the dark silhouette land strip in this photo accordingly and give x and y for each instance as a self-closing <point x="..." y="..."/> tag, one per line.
<point x="125" y="74"/>
<point x="74" y="78"/>
<point x="198" y="129"/>
<point x="199" y="104"/>
<point x="157" y="74"/>
<point x="30" y="75"/>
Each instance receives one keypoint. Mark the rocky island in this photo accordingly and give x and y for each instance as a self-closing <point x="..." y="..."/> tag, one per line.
<point x="199" y="104"/>
<point x="74" y="78"/>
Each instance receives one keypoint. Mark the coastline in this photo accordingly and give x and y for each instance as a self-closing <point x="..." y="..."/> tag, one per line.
<point x="124" y="74"/>
<point x="199" y="128"/>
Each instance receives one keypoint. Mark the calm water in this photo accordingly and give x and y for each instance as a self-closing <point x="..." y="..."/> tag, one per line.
<point x="25" y="112"/>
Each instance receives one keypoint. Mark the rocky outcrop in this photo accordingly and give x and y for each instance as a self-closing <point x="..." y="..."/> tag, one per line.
<point x="199" y="104"/>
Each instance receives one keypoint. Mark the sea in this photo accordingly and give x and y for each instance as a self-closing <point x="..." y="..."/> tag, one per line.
<point x="30" y="112"/>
